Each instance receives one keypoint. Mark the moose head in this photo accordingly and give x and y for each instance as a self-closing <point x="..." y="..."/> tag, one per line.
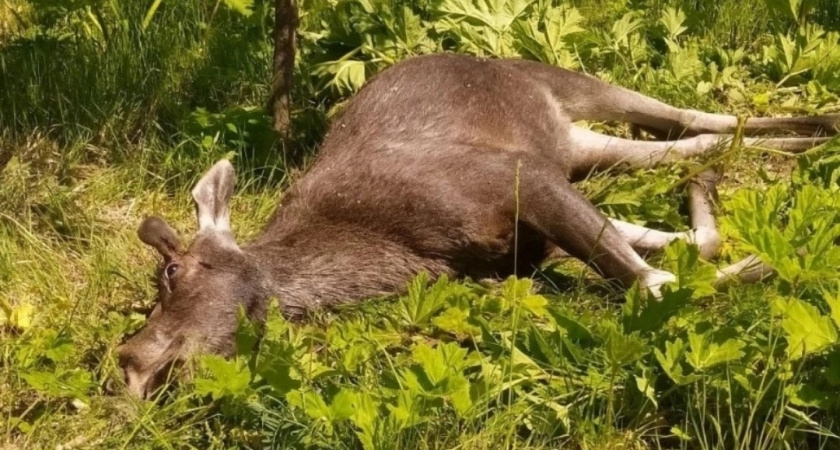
<point x="200" y="288"/>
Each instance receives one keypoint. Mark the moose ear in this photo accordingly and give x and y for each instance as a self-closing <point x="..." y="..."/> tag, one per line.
<point x="156" y="232"/>
<point x="212" y="194"/>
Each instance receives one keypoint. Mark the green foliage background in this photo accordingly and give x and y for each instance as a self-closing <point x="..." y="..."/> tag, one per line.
<point x="111" y="109"/>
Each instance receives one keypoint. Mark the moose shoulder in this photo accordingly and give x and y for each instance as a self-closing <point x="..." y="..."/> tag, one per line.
<point x="440" y="164"/>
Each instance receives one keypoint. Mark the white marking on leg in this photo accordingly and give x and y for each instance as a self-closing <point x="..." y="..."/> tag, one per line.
<point x="654" y="279"/>
<point x="707" y="239"/>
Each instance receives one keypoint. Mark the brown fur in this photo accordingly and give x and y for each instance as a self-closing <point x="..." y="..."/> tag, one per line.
<point x="436" y="165"/>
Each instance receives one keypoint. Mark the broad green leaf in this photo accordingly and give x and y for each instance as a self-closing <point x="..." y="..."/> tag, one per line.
<point x="482" y="26"/>
<point x="60" y="383"/>
<point x="244" y="7"/>
<point x="821" y="168"/>
<point x="247" y="333"/>
<point x="461" y="400"/>
<point x="281" y="377"/>
<point x="755" y="216"/>
<point x="789" y="8"/>
<point x="366" y="417"/>
<point x="832" y="297"/>
<point x="547" y="38"/>
<point x="408" y="410"/>
<point x="623" y="28"/>
<point x="343" y="405"/>
<point x="311" y="403"/>
<point x="685" y="62"/>
<point x="346" y="76"/>
<point x="804" y="394"/>
<point x="645" y="314"/>
<point x="670" y="361"/>
<point x="673" y="19"/>
<point x="349" y="76"/>
<point x="693" y="274"/>
<point x="356" y="354"/>
<point x="515" y="289"/>
<point x="620" y="349"/>
<point x="519" y="291"/>
<point x="22" y="315"/>
<point x="56" y="346"/>
<point x="276" y="363"/>
<point x="497" y="15"/>
<point x="535" y="304"/>
<point x="276" y="326"/>
<point x="571" y="327"/>
<point x="441" y="362"/>
<point x="226" y="378"/>
<point x="276" y="359"/>
<point x="439" y="376"/>
<point x="800" y="248"/>
<point x="562" y="21"/>
<point x="421" y="303"/>
<point x="710" y="349"/>
<point x="545" y="347"/>
<point x="645" y="385"/>
<point x="807" y="331"/>
<point x="456" y="321"/>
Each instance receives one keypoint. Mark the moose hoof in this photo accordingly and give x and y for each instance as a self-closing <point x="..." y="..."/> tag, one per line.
<point x="653" y="281"/>
<point x="707" y="240"/>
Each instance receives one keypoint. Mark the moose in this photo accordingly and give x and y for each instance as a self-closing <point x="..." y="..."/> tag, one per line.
<point x="448" y="164"/>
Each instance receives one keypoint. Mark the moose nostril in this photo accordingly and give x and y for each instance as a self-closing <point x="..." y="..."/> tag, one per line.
<point x="126" y="362"/>
<point x="111" y="386"/>
<point x="132" y="379"/>
<point x="124" y="357"/>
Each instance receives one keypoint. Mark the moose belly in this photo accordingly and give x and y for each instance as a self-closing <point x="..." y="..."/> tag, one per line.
<point x="480" y="240"/>
<point x="518" y="251"/>
<point x="474" y="238"/>
<point x="429" y="201"/>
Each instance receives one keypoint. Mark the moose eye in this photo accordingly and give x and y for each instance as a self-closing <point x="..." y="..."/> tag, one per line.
<point x="171" y="270"/>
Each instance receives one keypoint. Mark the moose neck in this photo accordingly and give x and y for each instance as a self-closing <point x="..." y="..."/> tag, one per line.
<point x="311" y="264"/>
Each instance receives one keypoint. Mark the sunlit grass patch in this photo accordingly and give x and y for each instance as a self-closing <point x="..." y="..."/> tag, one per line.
<point x="101" y="127"/>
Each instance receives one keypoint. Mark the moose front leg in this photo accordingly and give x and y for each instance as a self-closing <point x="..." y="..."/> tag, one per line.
<point x="701" y="193"/>
<point x="552" y="207"/>
<point x="646" y="240"/>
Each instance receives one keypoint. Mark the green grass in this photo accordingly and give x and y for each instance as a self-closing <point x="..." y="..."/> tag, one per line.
<point x="102" y="127"/>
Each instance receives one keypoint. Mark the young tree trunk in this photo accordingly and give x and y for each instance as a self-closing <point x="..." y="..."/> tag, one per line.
<point x="285" y="25"/>
<point x="5" y="157"/>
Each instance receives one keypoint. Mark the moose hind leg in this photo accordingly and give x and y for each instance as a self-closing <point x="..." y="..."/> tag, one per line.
<point x="599" y="100"/>
<point x="595" y="151"/>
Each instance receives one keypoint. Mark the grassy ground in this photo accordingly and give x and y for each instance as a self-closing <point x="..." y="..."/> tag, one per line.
<point x="106" y="117"/>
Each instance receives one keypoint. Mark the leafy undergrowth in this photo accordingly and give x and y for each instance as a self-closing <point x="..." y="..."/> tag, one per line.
<point x="109" y="111"/>
<point x="556" y="359"/>
<point x="478" y="366"/>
